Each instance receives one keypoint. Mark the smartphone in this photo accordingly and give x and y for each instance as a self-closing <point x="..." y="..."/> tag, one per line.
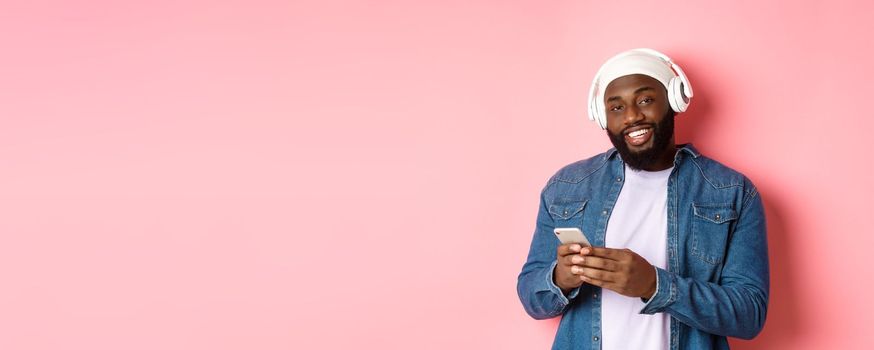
<point x="571" y="235"/>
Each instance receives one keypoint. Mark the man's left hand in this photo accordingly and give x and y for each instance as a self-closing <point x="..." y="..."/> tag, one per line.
<point x="619" y="270"/>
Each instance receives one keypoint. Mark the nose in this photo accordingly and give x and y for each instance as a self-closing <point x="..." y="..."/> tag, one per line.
<point x="633" y="115"/>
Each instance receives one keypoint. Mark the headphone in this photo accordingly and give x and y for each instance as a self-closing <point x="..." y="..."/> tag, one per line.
<point x="679" y="90"/>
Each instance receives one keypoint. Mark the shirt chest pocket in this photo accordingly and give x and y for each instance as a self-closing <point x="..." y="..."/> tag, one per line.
<point x="711" y="224"/>
<point x="567" y="213"/>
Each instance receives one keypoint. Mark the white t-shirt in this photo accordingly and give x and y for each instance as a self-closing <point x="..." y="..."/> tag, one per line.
<point x="639" y="222"/>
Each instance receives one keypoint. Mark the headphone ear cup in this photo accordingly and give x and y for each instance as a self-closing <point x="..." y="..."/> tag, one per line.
<point x="682" y="100"/>
<point x="679" y="102"/>
<point x="601" y="116"/>
<point x="672" y="92"/>
<point x="594" y="107"/>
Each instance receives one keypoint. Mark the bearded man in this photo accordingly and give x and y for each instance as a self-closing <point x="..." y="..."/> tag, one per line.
<point x="678" y="256"/>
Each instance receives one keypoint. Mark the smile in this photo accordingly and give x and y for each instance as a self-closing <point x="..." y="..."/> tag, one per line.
<point x="638" y="137"/>
<point x="638" y="133"/>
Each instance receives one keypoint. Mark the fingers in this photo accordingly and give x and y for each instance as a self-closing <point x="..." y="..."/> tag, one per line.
<point x="600" y="263"/>
<point x="588" y="274"/>
<point x="601" y="283"/>
<point x="606" y="253"/>
<point x="571" y="259"/>
<point x="576" y="270"/>
<point x="599" y="252"/>
<point x="568" y="249"/>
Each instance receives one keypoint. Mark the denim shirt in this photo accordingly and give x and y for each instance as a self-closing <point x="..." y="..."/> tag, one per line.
<point x="716" y="282"/>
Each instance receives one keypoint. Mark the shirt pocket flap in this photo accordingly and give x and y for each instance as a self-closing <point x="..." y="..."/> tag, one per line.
<point x="715" y="213"/>
<point x="565" y="209"/>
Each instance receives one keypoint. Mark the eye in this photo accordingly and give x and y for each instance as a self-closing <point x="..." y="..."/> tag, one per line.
<point x="646" y="100"/>
<point x="615" y="108"/>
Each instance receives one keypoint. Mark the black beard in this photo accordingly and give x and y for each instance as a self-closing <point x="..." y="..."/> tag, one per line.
<point x="662" y="135"/>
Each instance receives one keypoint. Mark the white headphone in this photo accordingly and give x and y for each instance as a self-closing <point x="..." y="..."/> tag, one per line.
<point x="679" y="90"/>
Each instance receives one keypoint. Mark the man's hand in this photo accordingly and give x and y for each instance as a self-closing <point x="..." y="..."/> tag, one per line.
<point x="619" y="270"/>
<point x="569" y="261"/>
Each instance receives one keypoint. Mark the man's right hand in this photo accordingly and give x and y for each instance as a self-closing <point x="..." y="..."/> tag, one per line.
<point x="568" y="269"/>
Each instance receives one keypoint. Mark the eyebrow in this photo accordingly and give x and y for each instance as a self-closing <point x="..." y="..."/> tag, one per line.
<point x="639" y="90"/>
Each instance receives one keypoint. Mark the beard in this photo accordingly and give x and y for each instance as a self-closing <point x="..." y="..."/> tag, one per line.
<point x="663" y="132"/>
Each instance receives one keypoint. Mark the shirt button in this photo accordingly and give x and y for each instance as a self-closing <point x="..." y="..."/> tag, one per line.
<point x="618" y="179"/>
<point x="565" y="212"/>
<point x="604" y="212"/>
<point x="595" y="295"/>
<point x="717" y="216"/>
<point x="595" y="338"/>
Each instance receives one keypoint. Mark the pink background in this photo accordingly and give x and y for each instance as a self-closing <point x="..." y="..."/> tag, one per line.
<point x="365" y="174"/>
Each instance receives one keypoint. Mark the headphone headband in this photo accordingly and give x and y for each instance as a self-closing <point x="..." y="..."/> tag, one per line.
<point x="678" y="88"/>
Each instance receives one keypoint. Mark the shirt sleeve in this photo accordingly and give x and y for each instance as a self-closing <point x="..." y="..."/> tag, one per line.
<point x="539" y="295"/>
<point x="555" y="288"/>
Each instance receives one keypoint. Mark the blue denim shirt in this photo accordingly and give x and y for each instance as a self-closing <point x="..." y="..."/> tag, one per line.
<point x="716" y="283"/>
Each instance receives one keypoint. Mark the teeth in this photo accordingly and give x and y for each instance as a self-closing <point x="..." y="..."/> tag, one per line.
<point x="638" y="133"/>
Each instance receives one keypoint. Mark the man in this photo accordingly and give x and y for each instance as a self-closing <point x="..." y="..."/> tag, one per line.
<point x="679" y="256"/>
